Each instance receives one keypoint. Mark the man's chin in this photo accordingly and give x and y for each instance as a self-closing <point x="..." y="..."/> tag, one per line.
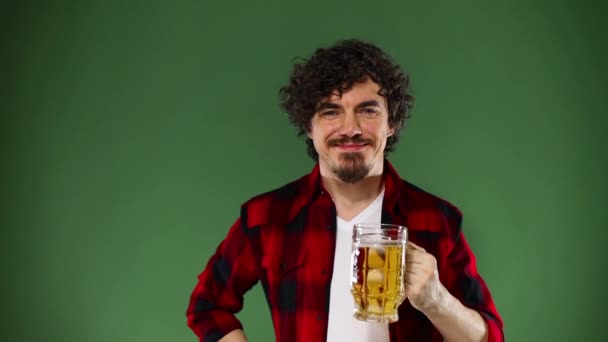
<point x="352" y="174"/>
<point x="351" y="158"/>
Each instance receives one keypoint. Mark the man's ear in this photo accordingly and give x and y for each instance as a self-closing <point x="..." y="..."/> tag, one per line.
<point x="309" y="132"/>
<point x="391" y="131"/>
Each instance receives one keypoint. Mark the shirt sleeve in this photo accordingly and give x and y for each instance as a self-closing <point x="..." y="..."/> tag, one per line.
<point x="218" y="295"/>
<point x="467" y="285"/>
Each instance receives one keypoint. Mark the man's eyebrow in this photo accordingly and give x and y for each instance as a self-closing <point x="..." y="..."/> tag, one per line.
<point x="327" y="105"/>
<point x="370" y="103"/>
<point x="330" y="105"/>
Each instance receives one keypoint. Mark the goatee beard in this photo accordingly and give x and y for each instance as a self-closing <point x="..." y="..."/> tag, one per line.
<point x="352" y="168"/>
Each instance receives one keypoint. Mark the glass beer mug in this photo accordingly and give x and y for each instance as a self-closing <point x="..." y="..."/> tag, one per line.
<point x="378" y="271"/>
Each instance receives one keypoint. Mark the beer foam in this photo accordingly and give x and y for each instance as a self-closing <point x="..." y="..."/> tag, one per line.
<point x="378" y="242"/>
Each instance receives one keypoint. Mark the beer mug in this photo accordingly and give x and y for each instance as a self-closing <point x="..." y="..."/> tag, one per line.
<point x="378" y="271"/>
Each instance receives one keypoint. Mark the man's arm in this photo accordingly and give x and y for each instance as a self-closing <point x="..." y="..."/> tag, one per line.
<point x="218" y="295"/>
<point x="454" y="320"/>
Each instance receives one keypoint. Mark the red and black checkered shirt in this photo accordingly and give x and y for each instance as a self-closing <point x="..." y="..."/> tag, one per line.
<point x="286" y="240"/>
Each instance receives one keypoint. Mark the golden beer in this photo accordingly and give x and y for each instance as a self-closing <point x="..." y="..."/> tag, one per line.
<point x="377" y="278"/>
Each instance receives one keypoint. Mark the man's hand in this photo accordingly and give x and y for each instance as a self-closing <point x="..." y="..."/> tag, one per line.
<point x="234" y="336"/>
<point x="426" y="293"/>
<point x="422" y="285"/>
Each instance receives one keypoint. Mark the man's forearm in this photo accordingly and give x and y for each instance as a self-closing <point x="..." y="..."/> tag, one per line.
<point x="234" y="336"/>
<point x="456" y="322"/>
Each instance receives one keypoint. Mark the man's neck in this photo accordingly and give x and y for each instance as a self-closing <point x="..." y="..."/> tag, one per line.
<point x="351" y="199"/>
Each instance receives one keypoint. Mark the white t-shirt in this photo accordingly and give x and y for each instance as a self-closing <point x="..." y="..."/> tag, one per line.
<point x="343" y="326"/>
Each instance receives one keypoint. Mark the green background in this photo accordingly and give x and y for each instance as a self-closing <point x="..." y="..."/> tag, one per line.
<point x="133" y="130"/>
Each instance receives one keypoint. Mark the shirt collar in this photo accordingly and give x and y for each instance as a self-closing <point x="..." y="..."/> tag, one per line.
<point x="312" y="187"/>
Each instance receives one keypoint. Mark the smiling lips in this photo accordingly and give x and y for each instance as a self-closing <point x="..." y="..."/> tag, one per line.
<point x="351" y="147"/>
<point x="350" y="144"/>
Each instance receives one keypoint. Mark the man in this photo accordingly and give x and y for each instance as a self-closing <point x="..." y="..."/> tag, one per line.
<point x="350" y="101"/>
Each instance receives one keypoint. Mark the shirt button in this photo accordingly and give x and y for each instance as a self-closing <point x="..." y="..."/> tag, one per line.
<point x="323" y="271"/>
<point x="283" y="266"/>
<point x="328" y="227"/>
<point x="320" y="318"/>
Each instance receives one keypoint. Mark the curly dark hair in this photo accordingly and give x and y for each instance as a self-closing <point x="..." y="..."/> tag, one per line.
<point x="339" y="67"/>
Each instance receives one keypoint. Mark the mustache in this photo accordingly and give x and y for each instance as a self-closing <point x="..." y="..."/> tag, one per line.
<point x="355" y="140"/>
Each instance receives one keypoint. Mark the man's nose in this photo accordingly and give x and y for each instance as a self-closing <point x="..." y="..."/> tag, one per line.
<point x="350" y="125"/>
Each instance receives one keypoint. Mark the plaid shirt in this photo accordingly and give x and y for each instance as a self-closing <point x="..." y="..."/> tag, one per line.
<point x="286" y="240"/>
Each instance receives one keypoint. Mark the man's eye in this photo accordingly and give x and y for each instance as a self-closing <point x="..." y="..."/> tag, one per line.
<point x="369" y="111"/>
<point x="329" y="113"/>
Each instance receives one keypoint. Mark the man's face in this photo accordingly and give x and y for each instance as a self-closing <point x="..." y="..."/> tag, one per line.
<point x="350" y="132"/>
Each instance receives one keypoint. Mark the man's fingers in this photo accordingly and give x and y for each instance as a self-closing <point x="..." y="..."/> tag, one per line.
<point x="415" y="261"/>
<point x="416" y="256"/>
<point x="415" y="246"/>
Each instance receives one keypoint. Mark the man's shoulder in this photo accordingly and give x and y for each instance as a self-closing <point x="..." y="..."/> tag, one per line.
<point x="274" y="205"/>
<point x="417" y="201"/>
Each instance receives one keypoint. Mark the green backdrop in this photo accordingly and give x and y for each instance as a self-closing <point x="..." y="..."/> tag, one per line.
<point x="133" y="130"/>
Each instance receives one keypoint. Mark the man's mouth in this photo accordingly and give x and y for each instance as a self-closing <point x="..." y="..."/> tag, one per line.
<point x="350" y="145"/>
